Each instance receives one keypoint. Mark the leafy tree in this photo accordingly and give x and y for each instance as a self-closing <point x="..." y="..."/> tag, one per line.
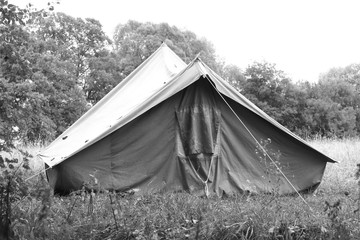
<point x="75" y="40"/>
<point x="349" y="74"/>
<point x="271" y="90"/>
<point x="15" y="86"/>
<point x="27" y="94"/>
<point x="328" y="119"/>
<point x="84" y="46"/>
<point x="293" y="105"/>
<point x="135" y="41"/>
<point x="11" y="14"/>
<point x="68" y="50"/>
<point x="338" y="89"/>
<point x="263" y="85"/>
<point x="20" y="104"/>
<point x="104" y="75"/>
<point x="234" y="76"/>
<point x="39" y="80"/>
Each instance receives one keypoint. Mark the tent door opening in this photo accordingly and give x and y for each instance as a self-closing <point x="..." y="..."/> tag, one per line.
<point x="198" y="118"/>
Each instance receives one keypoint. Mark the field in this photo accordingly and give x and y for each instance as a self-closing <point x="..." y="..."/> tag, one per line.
<point x="332" y="212"/>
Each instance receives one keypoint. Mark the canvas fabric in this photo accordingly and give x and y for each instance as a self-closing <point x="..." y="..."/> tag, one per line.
<point x="160" y="151"/>
<point x="189" y="131"/>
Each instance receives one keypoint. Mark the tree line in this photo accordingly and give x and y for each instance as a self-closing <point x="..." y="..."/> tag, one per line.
<point x="54" y="67"/>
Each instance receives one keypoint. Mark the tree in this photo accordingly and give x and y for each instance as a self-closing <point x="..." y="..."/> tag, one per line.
<point x="135" y="41"/>
<point x="11" y="14"/>
<point x="233" y="75"/>
<point x="75" y="40"/>
<point x="266" y="87"/>
<point x="104" y="75"/>
<point x="69" y="51"/>
<point x="15" y="85"/>
<point x="41" y="94"/>
<point x="339" y="90"/>
<point x="326" y="118"/>
<point x="20" y="103"/>
<point x="84" y="45"/>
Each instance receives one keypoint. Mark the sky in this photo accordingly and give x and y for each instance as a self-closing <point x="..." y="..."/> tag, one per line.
<point x="304" y="38"/>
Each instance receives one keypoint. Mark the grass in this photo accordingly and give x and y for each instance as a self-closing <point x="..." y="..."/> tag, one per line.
<point x="332" y="211"/>
<point x="339" y="177"/>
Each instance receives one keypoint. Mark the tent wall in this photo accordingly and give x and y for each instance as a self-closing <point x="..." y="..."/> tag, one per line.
<point x="302" y="165"/>
<point x="185" y="140"/>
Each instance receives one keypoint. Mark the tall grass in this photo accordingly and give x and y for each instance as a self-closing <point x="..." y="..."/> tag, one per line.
<point x="332" y="212"/>
<point x="339" y="177"/>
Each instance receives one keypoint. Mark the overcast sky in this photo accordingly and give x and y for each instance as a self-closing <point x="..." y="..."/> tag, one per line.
<point x="304" y="38"/>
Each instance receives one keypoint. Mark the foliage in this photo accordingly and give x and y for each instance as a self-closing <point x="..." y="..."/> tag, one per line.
<point x="74" y="41"/>
<point x="272" y="91"/>
<point x="40" y="81"/>
<point x="327" y="108"/>
<point x="108" y="215"/>
<point x="12" y="187"/>
<point x="11" y="14"/>
<point x="15" y="87"/>
<point x="340" y="87"/>
<point x="104" y="75"/>
<point x="271" y="165"/>
<point x="135" y="41"/>
<point x="235" y="76"/>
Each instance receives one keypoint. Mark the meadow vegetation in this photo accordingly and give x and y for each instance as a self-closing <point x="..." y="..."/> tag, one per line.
<point x="331" y="212"/>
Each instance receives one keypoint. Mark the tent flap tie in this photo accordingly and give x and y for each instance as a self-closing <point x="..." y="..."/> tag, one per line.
<point x="207" y="193"/>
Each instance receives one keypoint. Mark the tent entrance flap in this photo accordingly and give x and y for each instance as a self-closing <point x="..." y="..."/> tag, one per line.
<point x="198" y="120"/>
<point x="199" y="127"/>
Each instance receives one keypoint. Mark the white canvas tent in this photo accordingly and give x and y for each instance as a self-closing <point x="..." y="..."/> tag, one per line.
<point x="172" y="126"/>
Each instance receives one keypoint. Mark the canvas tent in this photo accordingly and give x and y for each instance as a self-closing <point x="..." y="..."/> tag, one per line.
<point x="170" y="126"/>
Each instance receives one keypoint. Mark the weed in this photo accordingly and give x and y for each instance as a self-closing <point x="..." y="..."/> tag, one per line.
<point x="339" y="229"/>
<point x="12" y="188"/>
<point x="357" y="177"/>
<point x="272" y="166"/>
<point x="94" y="213"/>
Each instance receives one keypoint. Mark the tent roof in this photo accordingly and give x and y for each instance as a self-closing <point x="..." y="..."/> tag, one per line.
<point x="161" y="76"/>
<point x="124" y="99"/>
